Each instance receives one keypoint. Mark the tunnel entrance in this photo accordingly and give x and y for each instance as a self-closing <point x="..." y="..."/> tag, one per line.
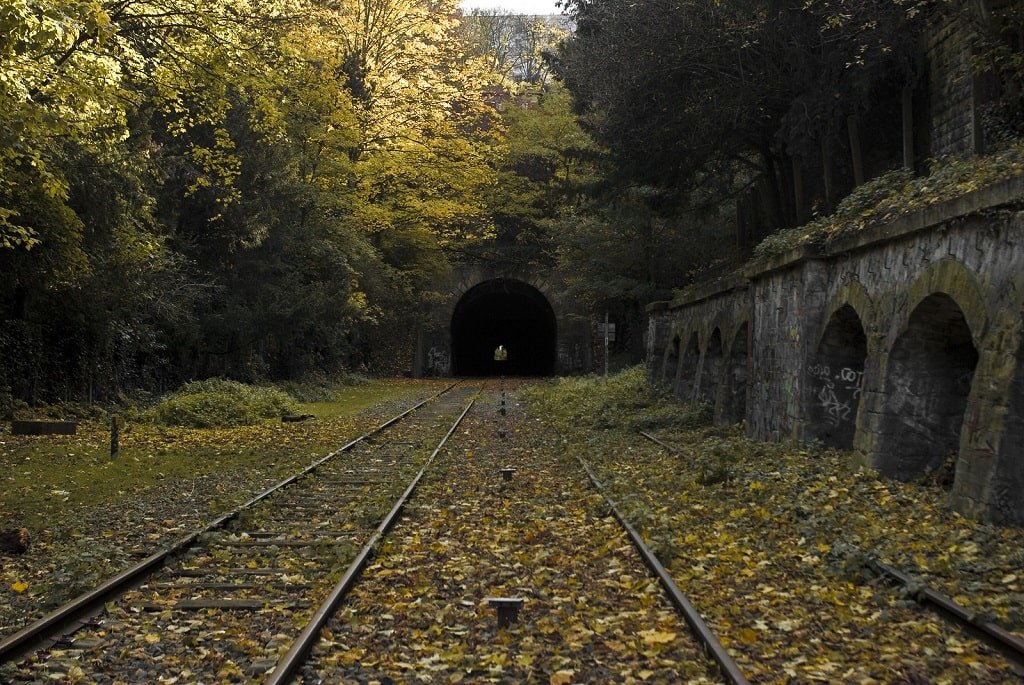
<point x="504" y="312"/>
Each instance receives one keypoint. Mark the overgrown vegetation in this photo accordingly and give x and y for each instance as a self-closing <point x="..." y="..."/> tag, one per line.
<point x="899" y="193"/>
<point x="245" y="189"/>
<point x="622" y="401"/>
<point x="720" y="124"/>
<point x="220" y="403"/>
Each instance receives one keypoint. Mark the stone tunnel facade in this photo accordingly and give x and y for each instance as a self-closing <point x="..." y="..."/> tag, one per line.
<point x="544" y="331"/>
<point x="902" y="345"/>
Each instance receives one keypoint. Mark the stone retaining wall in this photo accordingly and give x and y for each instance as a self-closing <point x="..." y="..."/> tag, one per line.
<point x="902" y="344"/>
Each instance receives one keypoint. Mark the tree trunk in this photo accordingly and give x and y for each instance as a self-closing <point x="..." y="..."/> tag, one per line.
<point x="799" y="201"/>
<point x="853" y="127"/>
<point x="908" y="126"/>
<point x="826" y="173"/>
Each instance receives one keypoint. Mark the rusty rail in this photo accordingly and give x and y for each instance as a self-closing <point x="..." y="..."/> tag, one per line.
<point x="71" y="615"/>
<point x="668" y="447"/>
<point x="288" y="666"/>
<point x="728" y="666"/>
<point x="1008" y="644"/>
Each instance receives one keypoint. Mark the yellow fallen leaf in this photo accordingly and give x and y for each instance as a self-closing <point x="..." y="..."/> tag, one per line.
<point x="152" y="638"/>
<point x="656" y="637"/>
<point x="561" y="678"/>
<point x="19" y="586"/>
<point x="748" y="636"/>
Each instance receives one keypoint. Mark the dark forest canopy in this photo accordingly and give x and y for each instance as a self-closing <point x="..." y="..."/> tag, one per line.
<point x="251" y="189"/>
<point x="732" y="120"/>
<point x="687" y="96"/>
<point x="267" y="190"/>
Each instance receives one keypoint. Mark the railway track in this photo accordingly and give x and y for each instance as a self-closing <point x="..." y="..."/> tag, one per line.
<point x="222" y="604"/>
<point x="956" y="617"/>
<point x="506" y="567"/>
<point x="505" y="570"/>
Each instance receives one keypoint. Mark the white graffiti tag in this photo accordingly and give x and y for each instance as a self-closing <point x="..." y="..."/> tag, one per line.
<point x="837" y="393"/>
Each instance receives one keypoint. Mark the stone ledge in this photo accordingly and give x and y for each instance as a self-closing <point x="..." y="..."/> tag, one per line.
<point x="659" y="306"/>
<point x="1001" y="193"/>
<point x="1004" y="192"/>
<point x="697" y="292"/>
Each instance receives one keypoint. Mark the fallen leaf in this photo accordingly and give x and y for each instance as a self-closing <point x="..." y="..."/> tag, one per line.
<point x="656" y="637"/>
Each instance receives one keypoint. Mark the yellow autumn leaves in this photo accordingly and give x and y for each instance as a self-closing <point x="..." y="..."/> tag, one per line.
<point x="773" y="554"/>
<point x="591" y="613"/>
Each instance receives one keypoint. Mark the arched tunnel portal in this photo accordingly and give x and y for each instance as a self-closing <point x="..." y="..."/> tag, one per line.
<point x="507" y="312"/>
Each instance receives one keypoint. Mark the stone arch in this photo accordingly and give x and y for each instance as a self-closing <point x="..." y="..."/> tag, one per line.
<point x="733" y="407"/>
<point x="689" y="362"/>
<point x="711" y="368"/>
<point x="955" y="280"/>
<point x="508" y="312"/>
<point x="928" y="377"/>
<point x="853" y="294"/>
<point x="478" y="275"/>
<point x="835" y="378"/>
<point x="670" y="362"/>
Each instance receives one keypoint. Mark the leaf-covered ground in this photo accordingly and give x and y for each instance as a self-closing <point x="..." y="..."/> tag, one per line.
<point x="592" y="613"/>
<point x="767" y="540"/>
<point x="90" y="517"/>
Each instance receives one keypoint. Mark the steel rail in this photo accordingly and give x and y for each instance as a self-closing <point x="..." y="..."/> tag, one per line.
<point x="728" y="666"/>
<point x="62" y="619"/>
<point x="288" y="666"/>
<point x="1008" y="644"/>
<point x="668" y="447"/>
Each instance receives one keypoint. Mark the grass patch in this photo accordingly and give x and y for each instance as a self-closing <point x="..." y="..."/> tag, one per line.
<point x="354" y="398"/>
<point x="47" y="478"/>
<point x="623" y="401"/>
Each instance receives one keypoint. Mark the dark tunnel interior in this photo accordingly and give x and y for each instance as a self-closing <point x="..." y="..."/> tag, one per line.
<point x="503" y="312"/>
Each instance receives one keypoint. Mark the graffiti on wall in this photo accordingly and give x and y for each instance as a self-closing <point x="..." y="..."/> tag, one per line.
<point x="439" y="362"/>
<point x="836" y="393"/>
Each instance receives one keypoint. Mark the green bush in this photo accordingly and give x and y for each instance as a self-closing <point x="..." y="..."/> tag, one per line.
<point x="219" y="403"/>
<point x="10" y="405"/>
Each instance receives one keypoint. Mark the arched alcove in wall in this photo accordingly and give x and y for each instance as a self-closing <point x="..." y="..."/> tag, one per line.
<point x="671" y="363"/>
<point x="927" y="384"/>
<point x="734" y="401"/>
<point x="689" y="359"/>
<point x="835" y="377"/>
<point x="709" y="375"/>
<point x="507" y="312"/>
